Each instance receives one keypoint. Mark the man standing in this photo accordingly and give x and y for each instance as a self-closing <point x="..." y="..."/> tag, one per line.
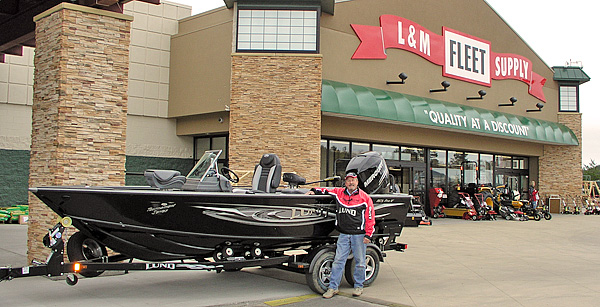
<point x="355" y="220"/>
<point x="533" y="195"/>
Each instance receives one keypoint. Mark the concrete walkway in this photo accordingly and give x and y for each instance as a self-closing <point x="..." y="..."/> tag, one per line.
<point x="451" y="263"/>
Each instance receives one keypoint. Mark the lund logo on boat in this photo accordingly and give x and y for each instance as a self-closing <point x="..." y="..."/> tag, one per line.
<point x="302" y="212"/>
<point x="167" y="266"/>
<point x="160" y="207"/>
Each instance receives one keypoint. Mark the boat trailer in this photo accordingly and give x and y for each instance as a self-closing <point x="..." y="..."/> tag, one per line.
<point x="315" y="266"/>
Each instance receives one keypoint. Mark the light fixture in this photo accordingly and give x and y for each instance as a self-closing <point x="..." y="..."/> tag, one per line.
<point x="539" y="106"/>
<point x="445" y="85"/>
<point x="402" y="77"/>
<point x="481" y="94"/>
<point x="511" y="104"/>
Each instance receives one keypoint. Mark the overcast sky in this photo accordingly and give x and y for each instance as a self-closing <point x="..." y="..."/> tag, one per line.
<point x="568" y="32"/>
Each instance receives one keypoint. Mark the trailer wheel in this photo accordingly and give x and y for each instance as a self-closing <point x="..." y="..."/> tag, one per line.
<point x="371" y="270"/>
<point x="80" y="247"/>
<point x="318" y="280"/>
<point x="71" y="279"/>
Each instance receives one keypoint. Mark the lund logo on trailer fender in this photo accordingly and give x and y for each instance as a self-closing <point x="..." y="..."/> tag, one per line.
<point x="152" y="266"/>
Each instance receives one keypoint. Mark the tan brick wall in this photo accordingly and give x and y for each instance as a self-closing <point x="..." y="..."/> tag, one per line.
<point x="79" y="108"/>
<point x="276" y="108"/>
<point x="560" y="166"/>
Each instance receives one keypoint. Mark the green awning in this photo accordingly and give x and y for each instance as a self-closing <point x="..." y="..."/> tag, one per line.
<point x="349" y="99"/>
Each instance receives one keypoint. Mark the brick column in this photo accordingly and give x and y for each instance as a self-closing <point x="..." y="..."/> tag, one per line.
<point x="79" y="106"/>
<point x="276" y="108"/>
<point x="560" y="166"/>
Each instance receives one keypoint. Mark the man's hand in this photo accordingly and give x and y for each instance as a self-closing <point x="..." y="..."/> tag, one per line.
<point x="366" y="240"/>
<point x="310" y="193"/>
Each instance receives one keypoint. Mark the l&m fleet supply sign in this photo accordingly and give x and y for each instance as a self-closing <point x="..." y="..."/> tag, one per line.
<point x="463" y="57"/>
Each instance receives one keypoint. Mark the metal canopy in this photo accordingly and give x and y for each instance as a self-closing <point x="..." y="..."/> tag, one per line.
<point x="349" y="99"/>
<point x="17" y="28"/>
<point x="570" y="74"/>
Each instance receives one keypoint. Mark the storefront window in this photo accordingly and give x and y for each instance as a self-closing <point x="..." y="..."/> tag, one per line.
<point x="325" y="169"/>
<point x="520" y="163"/>
<point x="387" y="151"/>
<point x="220" y="143"/>
<point x="358" y="148"/>
<point x="339" y="156"/>
<point x="486" y="169"/>
<point x="412" y="154"/>
<point x="202" y="145"/>
<point x="469" y="168"/>
<point x="455" y="160"/>
<point x="503" y="162"/>
<point x="438" y="169"/>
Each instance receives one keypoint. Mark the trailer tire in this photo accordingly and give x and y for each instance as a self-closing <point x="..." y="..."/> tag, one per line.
<point x="80" y="247"/>
<point x="319" y="277"/>
<point x="372" y="269"/>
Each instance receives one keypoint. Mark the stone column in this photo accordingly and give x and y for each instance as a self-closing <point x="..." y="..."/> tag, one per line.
<point x="560" y="166"/>
<point x="79" y="106"/>
<point x="276" y="108"/>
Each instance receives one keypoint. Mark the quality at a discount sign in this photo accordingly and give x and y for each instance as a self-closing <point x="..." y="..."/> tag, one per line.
<point x="462" y="56"/>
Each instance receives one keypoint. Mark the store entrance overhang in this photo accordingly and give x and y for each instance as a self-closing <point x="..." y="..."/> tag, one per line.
<point x="353" y="100"/>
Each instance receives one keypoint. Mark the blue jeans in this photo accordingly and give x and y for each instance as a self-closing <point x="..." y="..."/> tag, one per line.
<point x="345" y="244"/>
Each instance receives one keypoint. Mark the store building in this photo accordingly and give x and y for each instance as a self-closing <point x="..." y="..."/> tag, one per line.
<point x="319" y="81"/>
<point x="442" y="94"/>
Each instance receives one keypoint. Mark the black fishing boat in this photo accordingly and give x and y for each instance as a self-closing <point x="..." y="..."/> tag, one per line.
<point x="202" y="217"/>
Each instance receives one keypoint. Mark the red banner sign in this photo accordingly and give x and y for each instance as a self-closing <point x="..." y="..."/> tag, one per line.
<point x="462" y="56"/>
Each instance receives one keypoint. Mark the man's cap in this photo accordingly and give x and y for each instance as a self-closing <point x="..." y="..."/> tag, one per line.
<point x="351" y="174"/>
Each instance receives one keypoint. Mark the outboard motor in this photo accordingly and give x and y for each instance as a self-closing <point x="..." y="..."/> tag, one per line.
<point x="372" y="171"/>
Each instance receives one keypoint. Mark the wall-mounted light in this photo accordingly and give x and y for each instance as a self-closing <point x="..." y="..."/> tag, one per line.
<point x="511" y="104"/>
<point x="445" y="85"/>
<point x="539" y="106"/>
<point x="402" y="77"/>
<point x="481" y="94"/>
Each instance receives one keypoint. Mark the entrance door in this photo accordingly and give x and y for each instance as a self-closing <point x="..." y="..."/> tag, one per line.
<point x="514" y="180"/>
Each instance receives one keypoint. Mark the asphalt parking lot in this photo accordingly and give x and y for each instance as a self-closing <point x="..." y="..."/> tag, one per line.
<point x="451" y="263"/>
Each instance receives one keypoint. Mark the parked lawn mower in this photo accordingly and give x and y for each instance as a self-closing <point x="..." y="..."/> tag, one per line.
<point x="544" y="210"/>
<point x="508" y="212"/>
<point x="454" y="205"/>
<point x="592" y="207"/>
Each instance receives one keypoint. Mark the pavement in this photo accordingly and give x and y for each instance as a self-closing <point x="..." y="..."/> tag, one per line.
<point x="451" y="263"/>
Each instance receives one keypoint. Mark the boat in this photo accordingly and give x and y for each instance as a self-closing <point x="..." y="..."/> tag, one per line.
<point x="204" y="217"/>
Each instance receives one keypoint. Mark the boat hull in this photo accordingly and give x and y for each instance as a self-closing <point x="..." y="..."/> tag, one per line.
<point x="158" y="225"/>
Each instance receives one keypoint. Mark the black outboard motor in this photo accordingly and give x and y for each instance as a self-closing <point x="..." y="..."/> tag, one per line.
<point x="372" y="171"/>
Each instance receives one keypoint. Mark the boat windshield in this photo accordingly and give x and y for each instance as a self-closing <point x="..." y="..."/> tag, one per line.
<point x="207" y="165"/>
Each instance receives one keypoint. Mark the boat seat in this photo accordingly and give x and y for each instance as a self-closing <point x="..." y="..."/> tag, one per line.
<point x="267" y="174"/>
<point x="164" y="179"/>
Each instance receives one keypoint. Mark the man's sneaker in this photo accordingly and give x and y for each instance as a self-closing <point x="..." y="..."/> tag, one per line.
<point x="330" y="293"/>
<point x="357" y="291"/>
